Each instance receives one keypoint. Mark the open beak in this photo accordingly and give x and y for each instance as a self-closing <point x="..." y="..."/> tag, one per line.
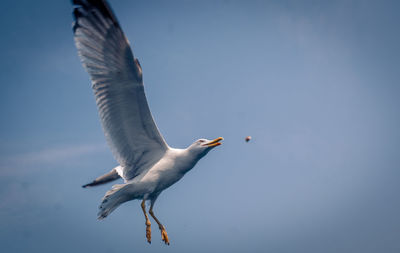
<point x="214" y="143"/>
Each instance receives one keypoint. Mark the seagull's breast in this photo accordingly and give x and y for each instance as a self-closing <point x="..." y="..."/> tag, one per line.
<point x="169" y="169"/>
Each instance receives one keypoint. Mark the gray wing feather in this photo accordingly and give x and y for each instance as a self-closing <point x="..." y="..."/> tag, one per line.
<point x="117" y="83"/>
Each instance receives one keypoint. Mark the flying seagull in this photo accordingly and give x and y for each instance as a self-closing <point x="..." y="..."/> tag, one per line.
<point x="146" y="162"/>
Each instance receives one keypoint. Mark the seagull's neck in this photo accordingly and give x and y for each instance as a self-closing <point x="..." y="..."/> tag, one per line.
<point x="184" y="159"/>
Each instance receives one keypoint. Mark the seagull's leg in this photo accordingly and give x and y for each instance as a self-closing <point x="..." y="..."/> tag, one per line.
<point x="164" y="235"/>
<point x="148" y="224"/>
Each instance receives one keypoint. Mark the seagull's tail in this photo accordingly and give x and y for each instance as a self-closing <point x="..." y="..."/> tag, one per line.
<point x="113" y="198"/>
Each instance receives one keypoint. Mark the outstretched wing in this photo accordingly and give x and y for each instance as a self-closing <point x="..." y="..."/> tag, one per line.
<point x="117" y="83"/>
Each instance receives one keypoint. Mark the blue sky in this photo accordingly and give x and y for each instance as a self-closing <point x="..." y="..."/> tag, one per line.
<point x="314" y="82"/>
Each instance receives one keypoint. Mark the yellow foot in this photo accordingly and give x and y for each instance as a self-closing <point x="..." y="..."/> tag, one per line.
<point x="164" y="235"/>
<point x="148" y="231"/>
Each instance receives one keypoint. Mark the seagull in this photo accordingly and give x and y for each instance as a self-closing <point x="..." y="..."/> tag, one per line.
<point x="146" y="163"/>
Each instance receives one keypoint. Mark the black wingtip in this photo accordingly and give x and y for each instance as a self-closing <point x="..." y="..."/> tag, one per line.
<point x="87" y="6"/>
<point x="75" y="26"/>
<point x="88" y="185"/>
<point x="76" y="14"/>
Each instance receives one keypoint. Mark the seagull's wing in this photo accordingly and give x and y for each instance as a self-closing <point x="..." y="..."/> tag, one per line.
<point x="117" y="82"/>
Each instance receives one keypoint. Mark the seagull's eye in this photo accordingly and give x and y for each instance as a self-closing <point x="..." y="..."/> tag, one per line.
<point x="201" y="141"/>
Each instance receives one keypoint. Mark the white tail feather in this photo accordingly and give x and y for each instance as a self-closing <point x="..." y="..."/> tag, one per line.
<point x="113" y="198"/>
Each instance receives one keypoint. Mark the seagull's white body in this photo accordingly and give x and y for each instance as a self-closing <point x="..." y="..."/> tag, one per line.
<point x="147" y="164"/>
<point x="167" y="171"/>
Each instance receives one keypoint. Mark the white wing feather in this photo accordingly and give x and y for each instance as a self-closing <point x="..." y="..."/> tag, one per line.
<point x="117" y="82"/>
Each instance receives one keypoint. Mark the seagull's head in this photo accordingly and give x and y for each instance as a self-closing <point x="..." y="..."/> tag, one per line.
<point x="202" y="146"/>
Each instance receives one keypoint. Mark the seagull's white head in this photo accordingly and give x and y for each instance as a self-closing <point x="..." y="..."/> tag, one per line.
<point x="202" y="146"/>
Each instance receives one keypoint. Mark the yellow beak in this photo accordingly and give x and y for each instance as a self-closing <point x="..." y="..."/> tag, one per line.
<point x="214" y="142"/>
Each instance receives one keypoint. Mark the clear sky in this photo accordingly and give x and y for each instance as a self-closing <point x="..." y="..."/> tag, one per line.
<point x="314" y="82"/>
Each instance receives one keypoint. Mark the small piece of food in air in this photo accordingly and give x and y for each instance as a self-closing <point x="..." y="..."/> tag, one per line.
<point x="248" y="138"/>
